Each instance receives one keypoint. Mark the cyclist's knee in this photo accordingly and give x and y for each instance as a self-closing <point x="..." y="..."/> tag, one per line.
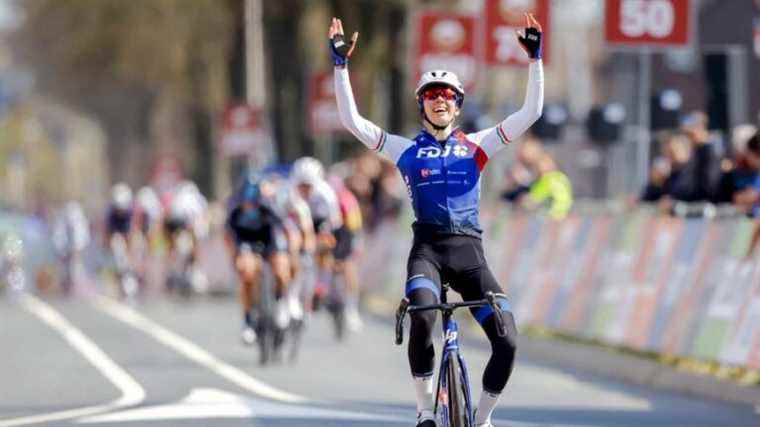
<point x="422" y="322"/>
<point x="420" y="290"/>
<point x="505" y="346"/>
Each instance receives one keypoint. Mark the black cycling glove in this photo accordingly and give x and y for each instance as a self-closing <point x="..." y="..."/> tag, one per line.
<point x="531" y="42"/>
<point x="340" y="48"/>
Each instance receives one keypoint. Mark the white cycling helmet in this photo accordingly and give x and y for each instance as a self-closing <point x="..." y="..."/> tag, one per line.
<point x="148" y="201"/>
<point x="440" y="77"/>
<point x="121" y="196"/>
<point x="307" y="170"/>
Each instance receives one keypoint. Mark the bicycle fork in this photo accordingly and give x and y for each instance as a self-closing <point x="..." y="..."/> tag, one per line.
<point x="451" y="349"/>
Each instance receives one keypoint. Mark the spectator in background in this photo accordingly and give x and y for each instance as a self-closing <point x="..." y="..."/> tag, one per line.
<point x="524" y="172"/>
<point x="696" y="178"/>
<point x="736" y="171"/>
<point x="746" y="179"/>
<point x="658" y="176"/>
<point x="694" y="163"/>
<point x="536" y="180"/>
<point x="552" y="188"/>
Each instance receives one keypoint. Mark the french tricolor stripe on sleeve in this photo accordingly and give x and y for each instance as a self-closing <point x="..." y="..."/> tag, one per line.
<point x="502" y="136"/>
<point x="381" y="142"/>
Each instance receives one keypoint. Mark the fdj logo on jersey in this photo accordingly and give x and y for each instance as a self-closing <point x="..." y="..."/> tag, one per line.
<point x="435" y="152"/>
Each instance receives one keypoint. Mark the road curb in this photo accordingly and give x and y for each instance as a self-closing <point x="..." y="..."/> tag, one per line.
<point x="613" y="364"/>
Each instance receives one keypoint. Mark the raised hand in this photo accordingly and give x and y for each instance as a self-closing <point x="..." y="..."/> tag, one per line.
<point x="530" y="39"/>
<point x="340" y="49"/>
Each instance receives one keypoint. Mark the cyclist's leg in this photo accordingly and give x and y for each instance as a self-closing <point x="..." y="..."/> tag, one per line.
<point x="278" y="258"/>
<point x="344" y="265"/>
<point x="248" y="268"/>
<point x="472" y="282"/>
<point x="422" y="287"/>
<point x="280" y="263"/>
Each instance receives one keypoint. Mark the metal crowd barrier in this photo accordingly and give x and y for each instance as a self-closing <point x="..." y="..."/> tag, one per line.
<point x="682" y="285"/>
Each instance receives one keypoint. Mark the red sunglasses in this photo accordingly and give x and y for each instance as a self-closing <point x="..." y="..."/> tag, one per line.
<point x="433" y="93"/>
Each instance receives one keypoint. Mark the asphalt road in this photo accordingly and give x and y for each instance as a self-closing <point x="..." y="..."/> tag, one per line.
<point x="167" y="362"/>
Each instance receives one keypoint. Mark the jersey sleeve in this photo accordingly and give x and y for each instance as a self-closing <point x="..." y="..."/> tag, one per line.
<point x="493" y="139"/>
<point x="371" y="135"/>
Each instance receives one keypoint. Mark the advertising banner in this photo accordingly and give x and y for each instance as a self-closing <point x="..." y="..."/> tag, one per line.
<point x="657" y="261"/>
<point x="579" y="305"/>
<point x="504" y="17"/>
<point x="446" y="41"/>
<point x="647" y="22"/>
<point x="245" y="132"/>
<point x="323" y="110"/>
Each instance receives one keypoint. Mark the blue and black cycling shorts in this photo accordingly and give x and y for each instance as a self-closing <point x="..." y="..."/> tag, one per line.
<point x="458" y="260"/>
<point x="264" y="241"/>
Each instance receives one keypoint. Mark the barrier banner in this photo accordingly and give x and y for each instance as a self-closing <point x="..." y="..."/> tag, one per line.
<point x="680" y="286"/>
<point x="685" y="309"/>
<point x="727" y="287"/>
<point x="530" y="291"/>
<point x="524" y="257"/>
<point x="590" y="277"/>
<point x="577" y="259"/>
<point x="745" y="333"/>
<point x="613" y="304"/>
<point x="558" y="262"/>
<point x="653" y="267"/>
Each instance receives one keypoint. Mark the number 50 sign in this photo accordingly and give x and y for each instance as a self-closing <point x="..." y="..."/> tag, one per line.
<point x="647" y="22"/>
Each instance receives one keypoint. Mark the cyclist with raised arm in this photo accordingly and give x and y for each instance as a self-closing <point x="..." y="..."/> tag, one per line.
<point x="441" y="168"/>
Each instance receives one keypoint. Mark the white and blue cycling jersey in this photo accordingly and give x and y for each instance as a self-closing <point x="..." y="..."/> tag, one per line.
<point x="443" y="177"/>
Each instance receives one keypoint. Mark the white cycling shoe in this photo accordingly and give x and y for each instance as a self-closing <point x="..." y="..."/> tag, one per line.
<point x="485" y="424"/>
<point x="248" y="336"/>
<point x="426" y="419"/>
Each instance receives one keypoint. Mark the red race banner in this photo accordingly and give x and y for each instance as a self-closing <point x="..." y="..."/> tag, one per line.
<point x="323" y="110"/>
<point x="244" y="131"/>
<point x="647" y="22"/>
<point x="446" y="41"/>
<point x="504" y="17"/>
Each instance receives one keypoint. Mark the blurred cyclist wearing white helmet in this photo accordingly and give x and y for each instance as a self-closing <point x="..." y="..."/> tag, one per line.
<point x="148" y="209"/>
<point x="308" y="177"/>
<point x="119" y="237"/>
<point x="119" y="217"/>
<point x="71" y="235"/>
<point x="441" y="168"/>
<point x="186" y="223"/>
<point x="309" y="180"/>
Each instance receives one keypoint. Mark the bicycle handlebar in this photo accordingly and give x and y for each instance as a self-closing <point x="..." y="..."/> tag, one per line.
<point x="489" y="300"/>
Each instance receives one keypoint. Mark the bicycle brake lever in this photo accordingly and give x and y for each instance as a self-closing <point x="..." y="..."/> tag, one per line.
<point x="501" y="330"/>
<point x="400" y="314"/>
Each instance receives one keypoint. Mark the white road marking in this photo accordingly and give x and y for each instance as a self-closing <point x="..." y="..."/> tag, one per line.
<point x="193" y="351"/>
<point x="211" y="403"/>
<point x="131" y="392"/>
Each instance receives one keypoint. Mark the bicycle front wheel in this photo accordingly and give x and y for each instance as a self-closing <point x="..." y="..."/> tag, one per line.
<point x="457" y="399"/>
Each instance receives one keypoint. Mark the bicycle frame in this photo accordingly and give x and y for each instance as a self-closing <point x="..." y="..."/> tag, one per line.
<point x="451" y="345"/>
<point x="451" y="349"/>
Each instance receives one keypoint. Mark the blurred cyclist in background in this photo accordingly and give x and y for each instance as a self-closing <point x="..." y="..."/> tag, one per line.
<point x="256" y="235"/>
<point x="185" y="225"/>
<point x="148" y="213"/>
<point x="148" y="217"/>
<point x="119" y="238"/>
<point x="71" y="235"/>
<point x="299" y="230"/>
<point x="12" y="272"/>
<point x="309" y="180"/>
<point x="345" y="248"/>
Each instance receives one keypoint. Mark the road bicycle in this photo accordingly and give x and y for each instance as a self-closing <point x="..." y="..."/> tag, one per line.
<point x="453" y="394"/>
